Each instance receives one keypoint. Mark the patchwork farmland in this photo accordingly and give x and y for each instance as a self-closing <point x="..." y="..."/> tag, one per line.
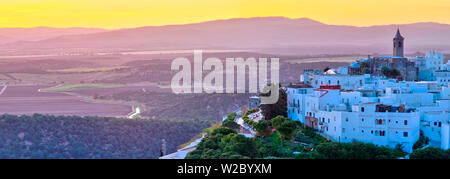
<point x="27" y="100"/>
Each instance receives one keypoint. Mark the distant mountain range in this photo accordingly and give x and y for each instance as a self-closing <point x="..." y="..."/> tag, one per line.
<point x="42" y="33"/>
<point x="263" y="34"/>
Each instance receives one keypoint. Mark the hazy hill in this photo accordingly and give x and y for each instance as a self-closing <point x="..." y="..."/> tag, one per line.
<point x="267" y="34"/>
<point x="5" y="40"/>
<point x="42" y="33"/>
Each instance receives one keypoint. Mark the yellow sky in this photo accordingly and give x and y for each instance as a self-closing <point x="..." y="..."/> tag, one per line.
<point x="134" y="13"/>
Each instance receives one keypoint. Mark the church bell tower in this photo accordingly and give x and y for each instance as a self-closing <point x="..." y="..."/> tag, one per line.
<point x="398" y="44"/>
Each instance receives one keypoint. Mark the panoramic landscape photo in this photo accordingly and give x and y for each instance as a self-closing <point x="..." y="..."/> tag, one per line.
<point x="236" y="79"/>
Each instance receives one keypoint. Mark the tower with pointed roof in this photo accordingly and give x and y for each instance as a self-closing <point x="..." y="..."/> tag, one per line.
<point x="398" y="44"/>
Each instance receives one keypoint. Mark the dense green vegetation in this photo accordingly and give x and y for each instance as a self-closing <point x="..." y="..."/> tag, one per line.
<point x="289" y="140"/>
<point x="224" y="143"/>
<point x="430" y="153"/>
<point x="421" y="142"/>
<point x="391" y="73"/>
<point x="246" y="119"/>
<point x="43" y="136"/>
<point x="357" y="150"/>
<point x="230" y="123"/>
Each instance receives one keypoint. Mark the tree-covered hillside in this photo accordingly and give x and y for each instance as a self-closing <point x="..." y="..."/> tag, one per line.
<point x="43" y="136"/>
<point x="289" y="140"/>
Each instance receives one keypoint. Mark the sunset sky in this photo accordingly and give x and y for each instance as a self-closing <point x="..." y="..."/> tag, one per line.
<point x="133" y="13"/>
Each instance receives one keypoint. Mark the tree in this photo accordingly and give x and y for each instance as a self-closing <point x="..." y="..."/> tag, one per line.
<point x="287" y="129"/>
<point x="277" y="121"/>
<point x="239" y="144"/>
<point x="395" y="73"/>
<point x="232" y="155"/>
<point x="280" y="108"/>
<point x="385" y="71"/>
<point x="231" y="116"/>
<point x="357" y="150"/>
<point x="365" y="67"/>
<point x="390" y="73"/>
<point x="262" y="128"/>
<point x="224" y="143"/>
<point x="231" y="124"/>
<point x="421" y="142"/>
<point x="430" y="153"/>
<point x="222" y="131"/>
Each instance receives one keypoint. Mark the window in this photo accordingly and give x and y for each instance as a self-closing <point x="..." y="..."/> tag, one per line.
<point x="380" y="121"/>
<point x="406" y="122"/>
<point x="362" y="109"/>
<point x="405" y="134"/>
<point x="346" y="119"/>
<point x="362" y="131"/>
<point x="382" y="133"/>
<point x="440" y="124"/>
<point x="362" y="119"/>
<point x="343" y="130"/>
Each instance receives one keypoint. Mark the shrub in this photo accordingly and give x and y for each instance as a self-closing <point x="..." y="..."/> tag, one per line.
<point x="430" y="153"/>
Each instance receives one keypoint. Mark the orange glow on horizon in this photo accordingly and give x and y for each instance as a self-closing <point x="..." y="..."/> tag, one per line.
<point x="114" y="14"/>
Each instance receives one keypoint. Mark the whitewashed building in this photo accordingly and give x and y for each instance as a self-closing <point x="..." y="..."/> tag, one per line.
<point x="443" y="77"/>
<point x="385" y="112"/>
<point x="428" y="65"/>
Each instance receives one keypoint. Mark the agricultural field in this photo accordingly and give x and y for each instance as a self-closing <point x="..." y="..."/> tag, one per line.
<point x="27" y="100"/>
<point x="113" y="81"/>
<point x="82" y="86"/>
<point x="127" y="86"/>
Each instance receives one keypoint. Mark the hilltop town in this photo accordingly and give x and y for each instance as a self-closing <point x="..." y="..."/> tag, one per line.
<point x="385" y="100"/>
